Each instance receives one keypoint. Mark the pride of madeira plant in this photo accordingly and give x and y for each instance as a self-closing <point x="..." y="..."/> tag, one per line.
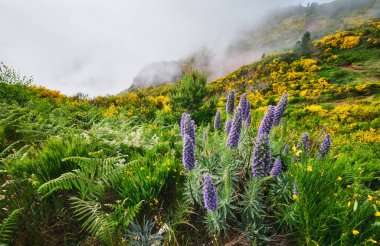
<point x="279" y="190"/>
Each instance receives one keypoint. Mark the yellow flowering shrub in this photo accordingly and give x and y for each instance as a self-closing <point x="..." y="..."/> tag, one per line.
<point x="350" y="42"/>
<point x="342" y="40"/>
<point x="371" y="136"/>
<point x="111" y="111"/>
<point x="317" y="109"/>
<point x="308" y="65"/>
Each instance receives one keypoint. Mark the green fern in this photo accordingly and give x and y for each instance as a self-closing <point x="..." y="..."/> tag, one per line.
<point x="8" y="226"/>
<point x="95" y="221"/>
<point x="94" y="175"/>
<point x="106" y="226"/>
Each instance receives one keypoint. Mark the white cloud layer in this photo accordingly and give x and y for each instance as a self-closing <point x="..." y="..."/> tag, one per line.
<point x="98" y="46"/>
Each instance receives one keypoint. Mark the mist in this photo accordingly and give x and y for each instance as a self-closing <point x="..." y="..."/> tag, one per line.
<point x="99" y="47"/>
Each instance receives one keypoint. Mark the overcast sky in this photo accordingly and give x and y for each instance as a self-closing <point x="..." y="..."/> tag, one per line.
<point x="98" y="46"/>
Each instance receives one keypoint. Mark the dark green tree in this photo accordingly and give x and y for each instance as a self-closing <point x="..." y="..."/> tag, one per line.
<point x="303" y="47"/>
<point x="188" y="94"/>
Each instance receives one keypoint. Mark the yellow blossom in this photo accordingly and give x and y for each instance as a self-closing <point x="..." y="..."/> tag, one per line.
<point x="371" y="240"/>
<point x="370" y="198"/>
<point x="348" y="186"/>
<point x="349" y="204"/>
<point x="298" y="152"/>
<point x="309" y="168"/>
<point x="355" y="232"/>
<point x="294" y="197"/>
<point x="339" y="178"/>
<point x="377" y="214"/>
<point x="294" y="148"/>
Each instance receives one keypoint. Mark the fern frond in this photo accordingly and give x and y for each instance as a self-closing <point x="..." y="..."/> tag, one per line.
<point x="8" y="226"/>
<point x="96" y="221"/>
<point x="64" y="182"/>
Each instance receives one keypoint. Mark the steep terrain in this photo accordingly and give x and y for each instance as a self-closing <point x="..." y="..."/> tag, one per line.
<point x="132" y="169"/>
<point x="277" y="32"/>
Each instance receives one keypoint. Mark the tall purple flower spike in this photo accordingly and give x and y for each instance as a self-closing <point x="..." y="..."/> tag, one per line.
<point x="184" y="119"/>
<point x="325" y="147"/>
<point x="295" y="188"/>
<point x="247" y="110"/>
<point x="280" y="109"/>
<point x="305" y="140"/>
<point x="243" y="105"/>
<point x="261" y="157"/>
<point x="217" y="122"/>
<point x="276" y="169"/>
<point x="228" y="126"/>
<point x="204" y="139"/>
<point x="267" y="122"/>
<point x="248" y="120"/>
<point x="187" y="127"/>
<point x="210" y="197"/>
<point x="230" y="102"/>
<point x="188" y="153"/>
<point x="286" y="149"/>
<point x="234" y="134"/>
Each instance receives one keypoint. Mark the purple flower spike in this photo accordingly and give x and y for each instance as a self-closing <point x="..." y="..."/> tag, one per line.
<point x="187" y="127"/>
<point x="192" y="131"/>
<point x="184" y="119"/>
<point x="280" y="109"/>
<point x="228" y="126"/>
<point x="204" y="139"/>
<point x="286" y="149"/>
<point x="248" y="120"/>
<point x="230" y="102"/>
<point x="188" y="153"/>
<point x="305" y="140"/>
<point x="243" y="105"/>
<point x="266" y="122"/>
<point x="326" y="144"/>
<point x="210" y="197"/>
<point x="295" y="188"/>
<point x="217" y="121"/>
<point x="261" y="157"/>
<point x="234" y="134"/>
<point x="247" y="110"/>
<point x="276" y="169"/>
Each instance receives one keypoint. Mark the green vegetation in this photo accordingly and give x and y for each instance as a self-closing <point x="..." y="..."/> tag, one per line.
<point x="108" y="170"/>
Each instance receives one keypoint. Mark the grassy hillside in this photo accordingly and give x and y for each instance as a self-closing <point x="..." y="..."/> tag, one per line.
<point x="119" y="170"/>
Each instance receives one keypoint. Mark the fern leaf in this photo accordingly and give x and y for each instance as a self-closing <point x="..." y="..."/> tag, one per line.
<point x="96" y="221"/>
<point x="64" y="182"/>
<point x="8" y="226"/>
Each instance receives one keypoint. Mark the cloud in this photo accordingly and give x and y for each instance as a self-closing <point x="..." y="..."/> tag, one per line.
<point x="98" y="47"/>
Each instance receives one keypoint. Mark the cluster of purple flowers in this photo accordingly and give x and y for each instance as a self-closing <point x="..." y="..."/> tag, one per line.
<point x="326" y="144"/>
<point x="261" y="157"/>
<point x="267" y="122"/>
<point x="228" y="126"/>
<point x="210" y="197"/>
<point x="248" y="120"/>
<point x="217" y="122"/>
<point x="234" y="134"/>
<point x="188" y="127"/>
<point x="188" y="138"/>
<point x="295" y="188"/>
<point x="204" y="139"/>
<point x="230" y="102"/>
<point x="276" y="169"/>
<point x="305" y="141"/>
<point x="280" y="109"/>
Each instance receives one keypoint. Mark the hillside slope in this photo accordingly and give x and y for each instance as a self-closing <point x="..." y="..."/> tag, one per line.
<point x="277" y="32"/>
<point x="133" y="169"/>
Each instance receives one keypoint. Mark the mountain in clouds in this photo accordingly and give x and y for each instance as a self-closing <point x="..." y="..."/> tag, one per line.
<point x="278" y="31"/>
